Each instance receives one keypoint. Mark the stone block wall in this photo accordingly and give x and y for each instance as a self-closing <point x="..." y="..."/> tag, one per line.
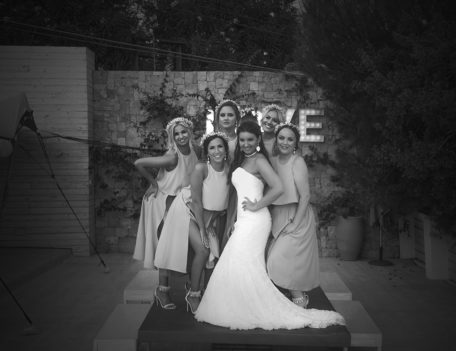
<point x="117" y="101"/>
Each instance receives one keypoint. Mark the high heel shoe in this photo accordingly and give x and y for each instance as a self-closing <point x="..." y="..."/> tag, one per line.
<point x="163" y="289"/>
<point x="189" y="304"/>
<point x="301" y="301"/>
<point x="187" y="287"/>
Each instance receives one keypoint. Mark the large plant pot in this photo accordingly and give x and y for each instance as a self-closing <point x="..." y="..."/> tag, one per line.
<point x="436" y="250"/>
<point x="349" y="237"/>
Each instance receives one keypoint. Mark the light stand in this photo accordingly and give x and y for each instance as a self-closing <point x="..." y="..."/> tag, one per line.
<point x="381" y="261"/>
<point x="29" y="122"/>
<point x="24" y="118"/>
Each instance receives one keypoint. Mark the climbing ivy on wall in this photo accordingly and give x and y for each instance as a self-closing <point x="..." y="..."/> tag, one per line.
<point x="118" y="185"/>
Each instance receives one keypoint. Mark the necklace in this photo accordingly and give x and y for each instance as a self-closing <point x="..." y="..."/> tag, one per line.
<point x="252" y="154"/>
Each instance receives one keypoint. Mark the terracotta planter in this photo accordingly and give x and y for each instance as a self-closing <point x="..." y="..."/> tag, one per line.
<point x="349" y="236"/>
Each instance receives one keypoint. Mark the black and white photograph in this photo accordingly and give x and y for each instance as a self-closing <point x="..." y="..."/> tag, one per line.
<point x="202" y="175"/>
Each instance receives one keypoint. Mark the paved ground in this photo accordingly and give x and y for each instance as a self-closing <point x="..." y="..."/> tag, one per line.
<point x="69" y="298"/>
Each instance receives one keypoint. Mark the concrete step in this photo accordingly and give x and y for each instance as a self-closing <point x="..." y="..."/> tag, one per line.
<point x="333" y="287"/>
<point x="120" y="331"/>
<point x="363" y="330"/>
<point x="142" y="287"/>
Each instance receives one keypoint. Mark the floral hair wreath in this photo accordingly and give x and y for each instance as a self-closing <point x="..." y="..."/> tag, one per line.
<point x="180" y="120"/>
<point x="283" y="125"/>
<point x="217" y="108"/>
<point x="219" y="134"/>
<point x="249" y="110"/>
<point x="271" y="107"/>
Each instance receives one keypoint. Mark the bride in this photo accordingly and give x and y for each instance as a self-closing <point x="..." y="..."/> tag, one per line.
<point x="240" y="294"/>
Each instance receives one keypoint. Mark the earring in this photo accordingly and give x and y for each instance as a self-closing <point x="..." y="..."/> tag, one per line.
<point x="225" y="158"/>
<point x="208" y="160"/>
<point x="294" y="151"/>
<point x="258" y="148"/>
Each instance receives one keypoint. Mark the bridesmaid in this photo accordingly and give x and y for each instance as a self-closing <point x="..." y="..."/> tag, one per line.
<point x="175" y="168"/>
<point x="226" y="119"/>
<point x="292" y="260"/>
<point x="195" y="217"/>
<point x="272" y="116"/>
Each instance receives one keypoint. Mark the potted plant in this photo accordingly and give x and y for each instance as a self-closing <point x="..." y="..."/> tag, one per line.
<point x="345" y="209"/>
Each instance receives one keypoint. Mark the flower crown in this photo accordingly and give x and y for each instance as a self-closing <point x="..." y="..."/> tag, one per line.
<point x="180" y="120"/>
<point x="217" y="108"/>
<point x="249" y="110"/>
<point x="272" y="107"/>
<point x="219" y="134"/>
<point x="288" y="124"/>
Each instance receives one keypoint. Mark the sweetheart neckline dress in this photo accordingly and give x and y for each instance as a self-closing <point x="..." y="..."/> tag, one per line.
<point x="240" y="294"/>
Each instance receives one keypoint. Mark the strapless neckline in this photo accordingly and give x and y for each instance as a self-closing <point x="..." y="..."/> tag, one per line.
<point x="245" y="171"/>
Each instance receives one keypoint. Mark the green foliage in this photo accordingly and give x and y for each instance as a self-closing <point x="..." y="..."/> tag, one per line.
<point x="317" y="157"/>
<point x="345" y="203"/>
<point x="251" y="32"/>
<point x="116" y="181"/>
<point x="254" y="32"/>
<point x="116" y="20"/>
<point x="118" y="184"/>
<point x="388" y="68"/>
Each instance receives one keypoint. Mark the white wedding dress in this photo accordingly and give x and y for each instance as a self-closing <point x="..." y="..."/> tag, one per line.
<point x="240" y="294"/>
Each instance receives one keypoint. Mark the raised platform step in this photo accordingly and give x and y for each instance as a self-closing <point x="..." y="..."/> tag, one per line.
<point x="178" y="330"/>
<point x="120" y="331"/>
<point x="333" y="286"/>
<point x="363" y="330"/>
<point x="142" y="287"/>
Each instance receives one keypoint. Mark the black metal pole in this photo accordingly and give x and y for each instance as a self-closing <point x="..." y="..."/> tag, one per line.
<point x="380" y="261"/>
<point x="51" y="170"/>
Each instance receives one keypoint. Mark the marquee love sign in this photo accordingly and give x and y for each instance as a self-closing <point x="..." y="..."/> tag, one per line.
<point x="304" y="124"/>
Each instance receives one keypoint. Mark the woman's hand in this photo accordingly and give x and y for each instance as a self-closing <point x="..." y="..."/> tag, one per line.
<point x="151" y="190"/>
<point x="204" y="238"/>
<point x="250" y="205"/>
<point x="289" y="228"/>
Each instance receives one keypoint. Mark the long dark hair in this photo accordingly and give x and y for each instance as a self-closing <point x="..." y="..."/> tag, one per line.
<point x="252" y="128"/>
<point x="211" y="137"/>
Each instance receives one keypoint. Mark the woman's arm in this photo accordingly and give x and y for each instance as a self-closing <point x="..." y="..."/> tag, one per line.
<point x="196" y="186"/>
<point x="301" y="180"/>
<point x="275" y="188"/>
<point x="169" y="160"/>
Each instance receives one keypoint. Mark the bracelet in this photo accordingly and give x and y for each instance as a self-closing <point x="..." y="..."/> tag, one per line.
<point x="202" y="238"/>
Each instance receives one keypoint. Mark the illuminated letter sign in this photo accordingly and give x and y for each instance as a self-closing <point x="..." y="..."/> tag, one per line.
<point x="303" y="124"/>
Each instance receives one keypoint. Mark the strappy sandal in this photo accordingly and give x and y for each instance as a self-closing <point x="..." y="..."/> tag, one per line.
<point x="164" y="289"/>
<point x="196" y="294"/>
<point x="301" y="301"/>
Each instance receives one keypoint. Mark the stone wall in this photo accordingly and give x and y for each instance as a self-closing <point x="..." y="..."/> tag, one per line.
<point x="117" y="96"/>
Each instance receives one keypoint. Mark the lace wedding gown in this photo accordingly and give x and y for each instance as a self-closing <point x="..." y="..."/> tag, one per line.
<point x="240" y="294"/>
